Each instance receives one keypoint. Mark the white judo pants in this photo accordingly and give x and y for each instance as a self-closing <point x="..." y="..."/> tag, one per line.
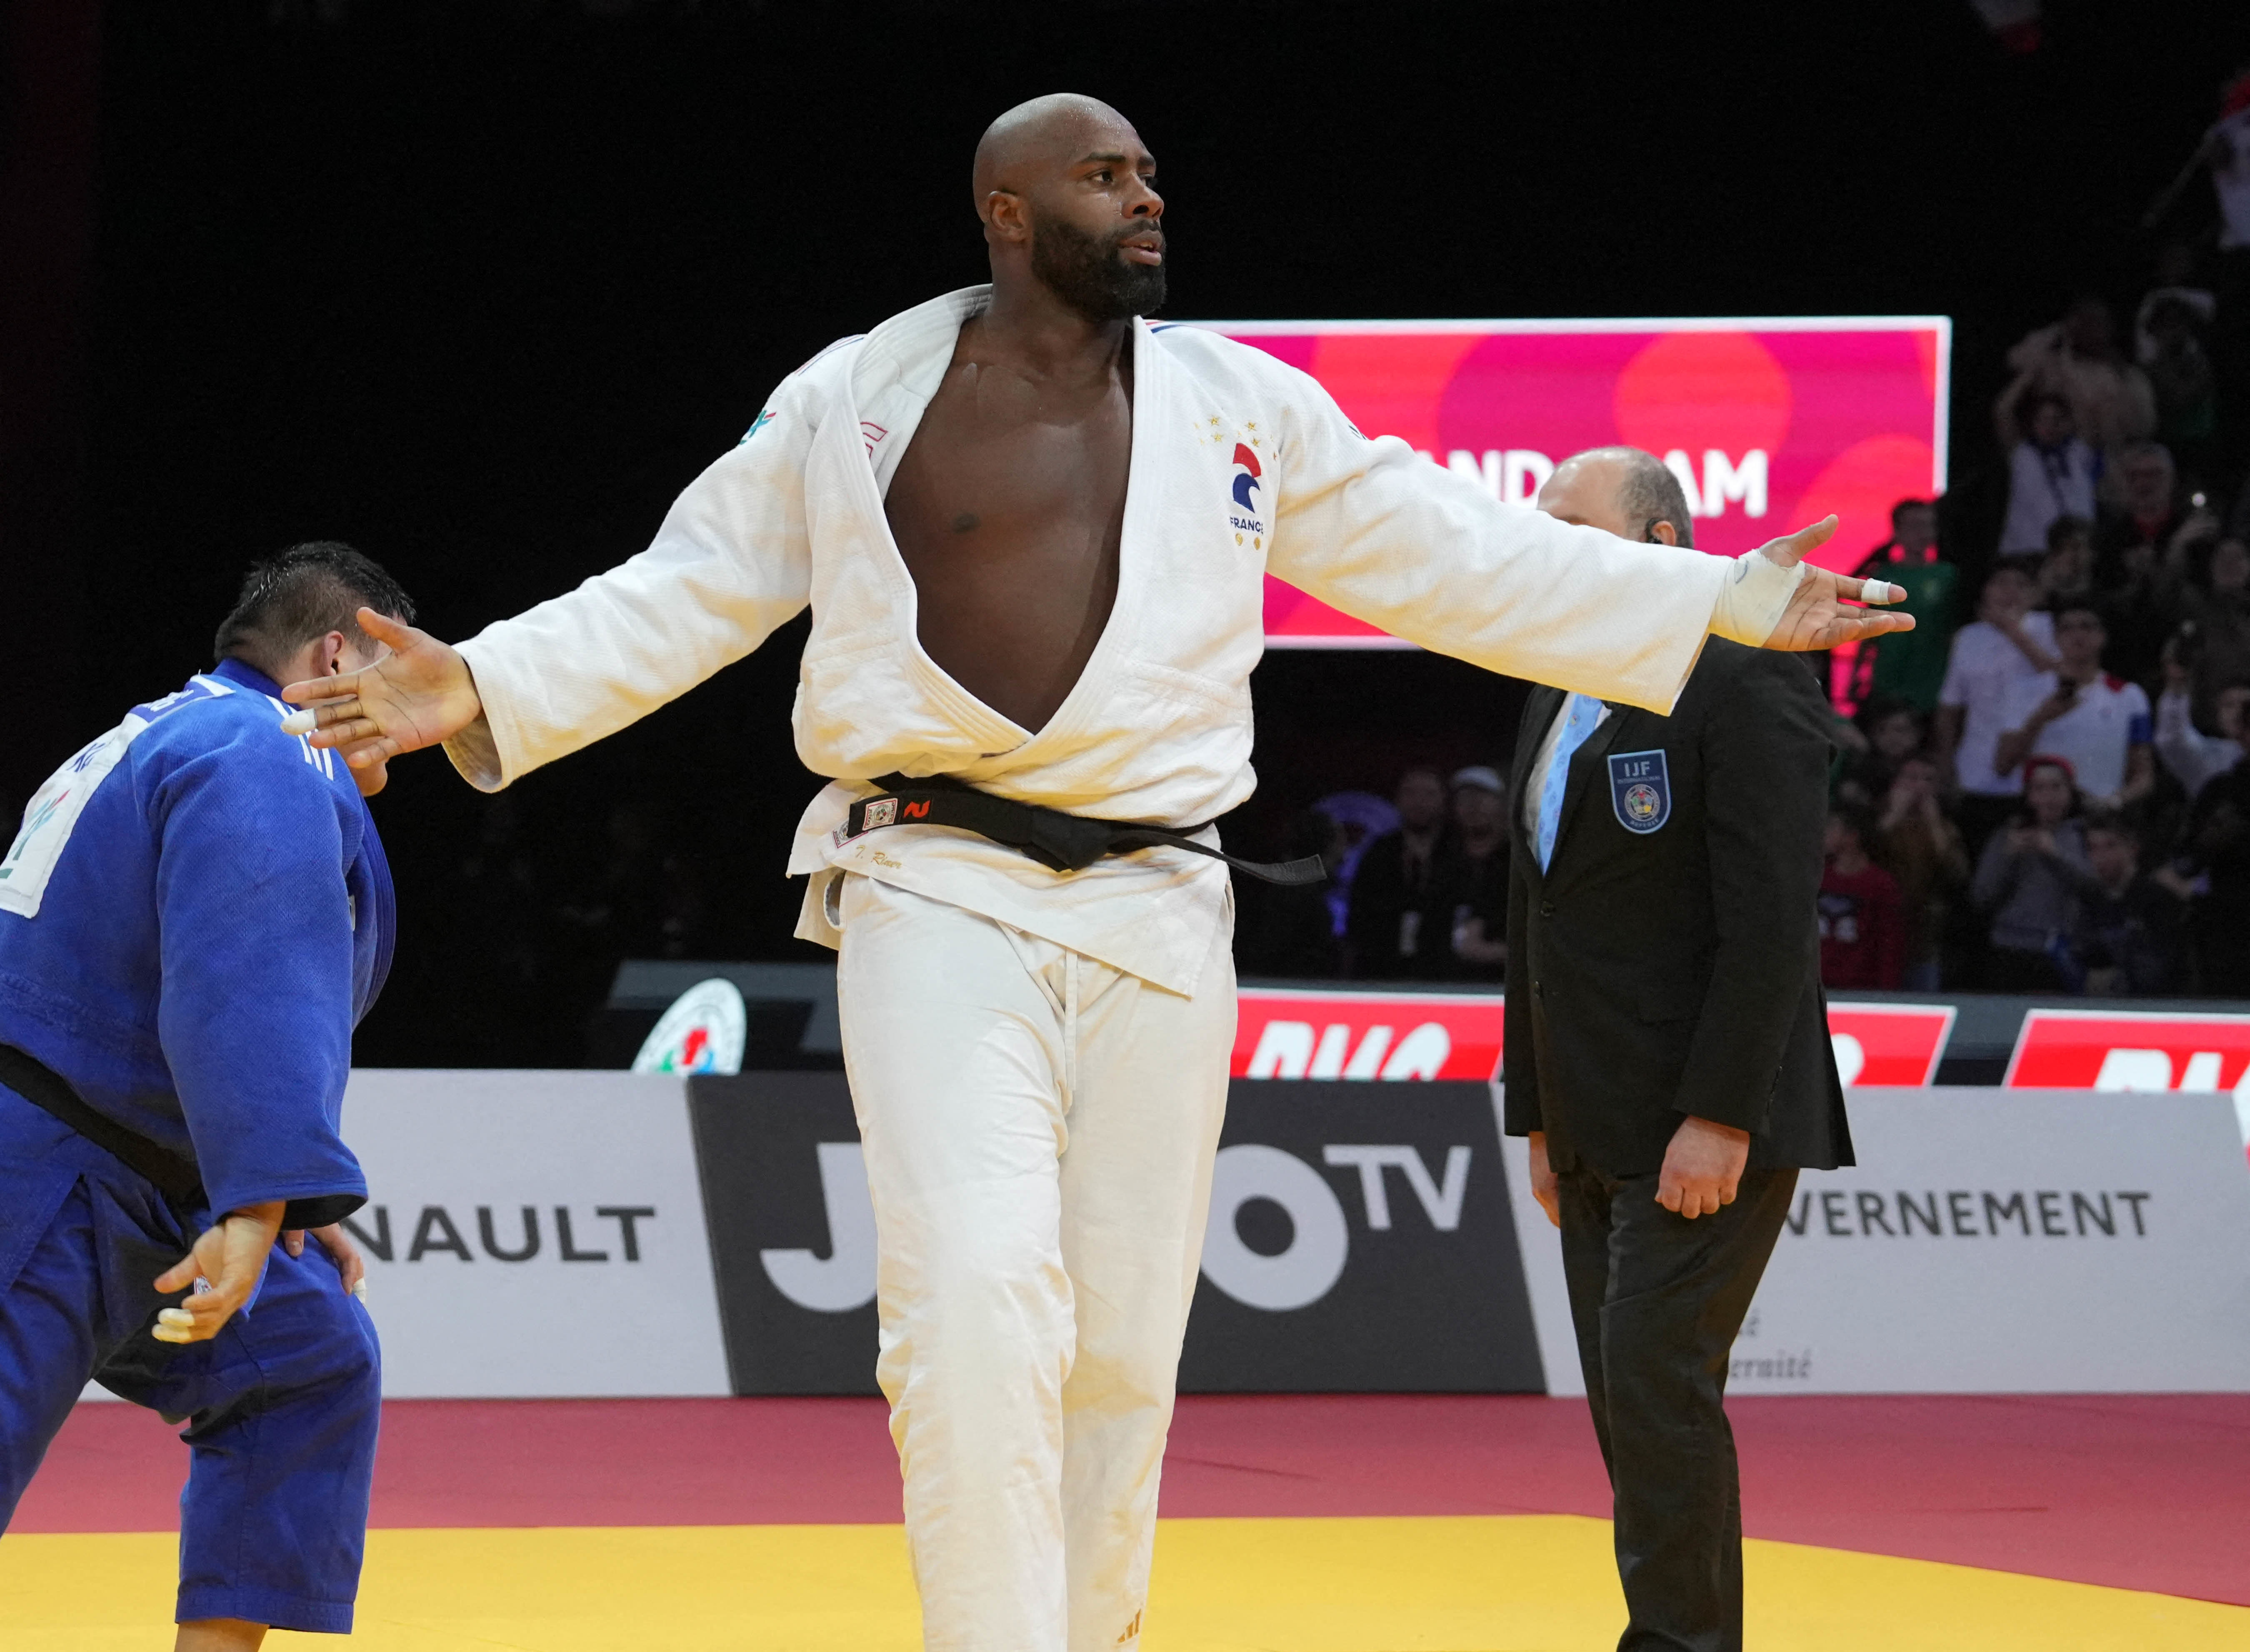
<point x="1039" y="1129"/>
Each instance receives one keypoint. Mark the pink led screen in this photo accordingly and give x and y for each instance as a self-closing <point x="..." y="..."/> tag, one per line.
<point x="1771" y="424"/>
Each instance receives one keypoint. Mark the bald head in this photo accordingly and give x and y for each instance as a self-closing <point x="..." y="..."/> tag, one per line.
<point x="1043" y="137"/>
<point x="1067" y="193"/>
<point x="1622" y="491"/>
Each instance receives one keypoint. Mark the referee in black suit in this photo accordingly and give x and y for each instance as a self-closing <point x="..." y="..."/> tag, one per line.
<point x="1667" y="1050"/>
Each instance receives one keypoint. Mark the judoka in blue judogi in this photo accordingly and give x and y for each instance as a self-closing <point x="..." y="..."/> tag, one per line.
<point x="193" y="918"/>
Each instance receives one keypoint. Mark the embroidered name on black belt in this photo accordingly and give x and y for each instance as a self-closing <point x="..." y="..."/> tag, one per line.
<point x="1059" y="841"/>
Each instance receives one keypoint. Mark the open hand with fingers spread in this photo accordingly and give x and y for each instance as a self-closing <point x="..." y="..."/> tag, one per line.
<point x="420" y="694"/>
<point x="229" y="1256"/>
<point x="1816" y="616"/>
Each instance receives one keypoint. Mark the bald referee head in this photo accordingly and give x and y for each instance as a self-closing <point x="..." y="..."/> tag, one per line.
<point x="1621" y="490"/>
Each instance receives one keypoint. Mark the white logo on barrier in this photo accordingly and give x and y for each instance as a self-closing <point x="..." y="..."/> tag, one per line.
<point x="1850" y="1057"/>
<point x="1285" y="1050"/>
<point x="1441" y="1201"/>
<point x="703" y="1032"/>
<point x="846" y="1279"/>
<point x="2137" y="1070"/>
<point x="1303" y="1274"/>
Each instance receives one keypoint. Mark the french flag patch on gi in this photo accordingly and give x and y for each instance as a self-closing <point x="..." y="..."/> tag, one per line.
<point x="1640" y="790"/>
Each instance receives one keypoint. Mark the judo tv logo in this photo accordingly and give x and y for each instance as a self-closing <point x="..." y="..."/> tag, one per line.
<point x="1310" y="1259"/>
<point x="1360" y="1240"/>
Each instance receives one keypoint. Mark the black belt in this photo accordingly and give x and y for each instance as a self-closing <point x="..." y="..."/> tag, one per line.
<point x="175" y="1174"/>
<point x="1059" y="841"/>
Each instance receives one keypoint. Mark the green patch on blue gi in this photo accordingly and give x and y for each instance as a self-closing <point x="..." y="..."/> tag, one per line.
<point x="1640" y="790"/>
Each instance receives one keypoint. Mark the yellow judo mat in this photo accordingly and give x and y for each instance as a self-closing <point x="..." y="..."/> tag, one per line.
<point x="1531" y="1583"/>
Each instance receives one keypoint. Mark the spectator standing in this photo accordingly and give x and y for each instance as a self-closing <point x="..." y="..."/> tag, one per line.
<point x="1287" y="929"/>
<point x="2227" y="151"/>
<point x="2051" y="475"/>
<point x="2214" y="636"/>
<point x="2067" y="570"/>
<point x="1394" y="931"/>
<point x="1890" y="732"/>
<point x="2130" y="930"/>
<point x="2171" y="347"/>
<point x="2140" y="548"/>
<point x="1922" y="850"/>
<point x="2028" y="880"/>
<point x="1910" y="665"/>
<point x="1474" y="877"/>
<point x="2192" y="757"/>
<point x="2008" y="644"/>
<point x="1862" y="926"/>
<point x="2217" y="838"/>
<point x="2147" y="511"/>
<point x="2099" y="724"/>
<point x="2077" y="358"/>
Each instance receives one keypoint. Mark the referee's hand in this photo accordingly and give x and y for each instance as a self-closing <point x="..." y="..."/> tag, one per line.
<point x="1702" y="1167"/>
<point x="420" y="694"/>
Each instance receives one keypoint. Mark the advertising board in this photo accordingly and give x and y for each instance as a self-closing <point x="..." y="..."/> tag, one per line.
<point x="2129" y="1050"/>
<point x="1770" y="423"/>
<point x="1360" y="1242"/>
<point x="1289" y="1032"/>
<point x="1357" y="1240"/>
<point x="1304" y="1033"/>
<point x="1990" y="1241"/>
<point x="502" y="1204"/>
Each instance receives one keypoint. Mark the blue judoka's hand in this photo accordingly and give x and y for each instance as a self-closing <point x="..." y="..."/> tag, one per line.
<point x="229" y="1257"/>
<point x="350" y="1265"/>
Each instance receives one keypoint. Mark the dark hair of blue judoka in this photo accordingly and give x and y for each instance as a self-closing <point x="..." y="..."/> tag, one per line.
<point x="307" y="592"/>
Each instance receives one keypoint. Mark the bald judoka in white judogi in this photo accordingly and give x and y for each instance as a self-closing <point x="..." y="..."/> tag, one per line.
<point x="1040" y="1061"/>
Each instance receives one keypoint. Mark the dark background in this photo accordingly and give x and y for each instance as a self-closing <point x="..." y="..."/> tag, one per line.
<point x="479" y="285"/>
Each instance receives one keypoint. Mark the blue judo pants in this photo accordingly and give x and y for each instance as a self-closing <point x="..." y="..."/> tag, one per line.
<point x="281" y="1406"/>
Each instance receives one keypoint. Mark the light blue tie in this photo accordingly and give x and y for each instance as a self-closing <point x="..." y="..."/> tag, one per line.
<point x="1580" y="715"/>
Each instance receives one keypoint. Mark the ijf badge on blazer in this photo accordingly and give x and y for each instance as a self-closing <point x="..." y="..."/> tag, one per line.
<point x="1640" y="790"/>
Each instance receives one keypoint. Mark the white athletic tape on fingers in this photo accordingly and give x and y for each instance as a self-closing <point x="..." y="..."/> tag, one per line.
<point x="1875" y="592"/>
<point x="1753" y="597"/>
<point x="302" y="722"/>
<point x="359" y="1289"/>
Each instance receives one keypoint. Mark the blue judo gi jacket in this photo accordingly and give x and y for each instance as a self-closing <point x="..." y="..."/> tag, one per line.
<point x="193" y="916"/>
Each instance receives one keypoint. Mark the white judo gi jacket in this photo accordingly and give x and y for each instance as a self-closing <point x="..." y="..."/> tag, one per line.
<point x="1241" y="465"/>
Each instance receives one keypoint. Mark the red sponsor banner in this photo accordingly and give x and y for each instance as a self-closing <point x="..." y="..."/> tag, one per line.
<point x="2129" y="1050"/>
<point x="1769" y="423"/>
<point x="1889" y="1043"/>
<point x="1283" y="1033"/>
<point x="1367" y="1035"/>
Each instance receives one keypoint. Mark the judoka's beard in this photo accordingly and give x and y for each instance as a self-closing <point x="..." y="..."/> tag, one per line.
<point x="1087" y="272"/>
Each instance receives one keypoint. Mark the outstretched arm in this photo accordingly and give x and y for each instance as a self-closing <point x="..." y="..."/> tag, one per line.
<point x="1374" y="529"/>
<point x="731" y="563"/>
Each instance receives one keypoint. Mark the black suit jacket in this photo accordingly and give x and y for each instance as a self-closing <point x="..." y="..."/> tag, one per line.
<point x="1667" y="962"/>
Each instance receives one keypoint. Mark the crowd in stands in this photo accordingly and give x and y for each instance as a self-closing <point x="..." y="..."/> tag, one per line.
<point x="2039" y="790"/>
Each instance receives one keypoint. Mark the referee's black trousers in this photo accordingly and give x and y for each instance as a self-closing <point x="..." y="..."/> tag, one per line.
<point x="1657" y="1301"/>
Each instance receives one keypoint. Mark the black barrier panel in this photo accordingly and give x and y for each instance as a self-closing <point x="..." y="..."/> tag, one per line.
<point x="1367" y="1244"/>
<point x="1360" y="1242"/>
<point x="792" y="1240"/>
